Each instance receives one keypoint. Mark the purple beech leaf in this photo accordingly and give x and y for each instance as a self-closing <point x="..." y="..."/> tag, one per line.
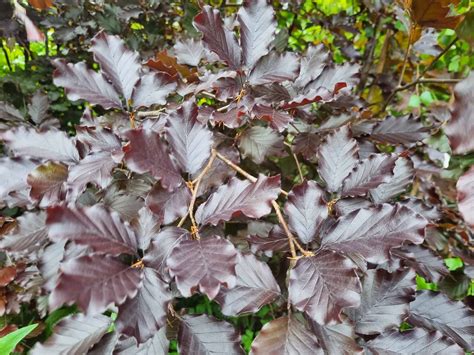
<point x="306" y="210"/>
<point x="460" y="127"/>
<point x="152" y="89"/>
<point x="217" y="37"/>
<point x="49" y="264"/>
<point x="255" y="287"/>
<point x="125" y="204"/>
<point x="202" y="335"/>
<point x="74" y="335"/>
<point x="334" y="337"/>
<point x="384" y="301"/>
<point x="106" y="345"/>
<point x="204" y="265"/>
<point x="13" y="174"/>
<point x="435" y="311"/>
<point x="10" y="113"/>
<point x="95" y="168"/>
<point x="372" y="232"/>
<point x="259" y="142"/>
<point x="119" y="64"/>
<point x="285" y="336"/>
<point x="142" y="315"/>
<point x="251" y="199"/>
<point x="403" y="175"/>
<point x="29" y="235"/>
<point x="161" y="247"/>
<point x="168" y="205"/>
<point x="335" y="78"/>
<point x="38" y="108"/>
<point x="50" y="145"/>
<point x="227" y="88"/>
<point x="348" y="205"/>
<point x="98" y="139"/>
<point x="423" y="260"/>
<point x="95" y="226"/>
<point x="307" y="144"/>
<point x="147" y="226"/>
<point x="234" y="117"/>
<point x="276" y="241"/>
<point x="158" y="345"/>
<point x="400" y="130"/>
<point x="324" y="284"/>
<point x="275" y="68"/>
<point x="189" y="51"/>
<point x="312" y="65"/>
<point x="278" y="120"/>
<point x="95" y="282"/>
<point x="148" y="153"/>
<point x="431" y="213"/>
<point x="369" y="174"/>
<point x="336" y="158"/>
<point x="465" y="196"/>
<point x="270" y="93"/>
<point x="257" y="30"/>
<point x="47" y="183"/>
<point x="190" y="141"/>
<point x="415" y="341"/>
<point x="81" y="83"/>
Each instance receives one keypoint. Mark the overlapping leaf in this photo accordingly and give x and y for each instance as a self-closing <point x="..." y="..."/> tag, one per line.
<point x="259" y="142"/>
<point x="400" y="130"/>
<point x="403" y="174"/>
<point x="168" y="205"/>
<point x="47" y="183"/>
<point x="29" y="235"/>
<point x="152" y="89"/>
<point x="334" y="337"/>
<point x="275" y="68"/>
<point x="251" y="199"/>
<point x="465" y="187"/>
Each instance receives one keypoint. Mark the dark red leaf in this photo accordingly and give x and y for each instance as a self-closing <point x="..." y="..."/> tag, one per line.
<point x="29" y="235"/>
<point x="251" y="199"/>
<point x="254" y="288"/>
<point x="277" y="119"/>
<point x="323" y="285"/>
<point x="82" y="83"/>
<point x="372" y="232"/>
<point x="7" y="275"/>
<point x="147" y="153"/>
<point x="306" y="210"/>
<point x="159" y="344"/>
<point x="201" y="335"/>
<point x="334" y="337"/>
<point x="400" y="130"/>
<point x="152" y="89"/>
<point x="275" y="68"/>
<point x="312" y="65"/>
<point x="168" y="205"/>
<point x="257" y="30"/>
<point x="403" y="175"/>
<point x="98" y="139"/>
<point x="285" y="336"/>
<point x="95" y="226"/>
<point x="94" y="282"/>
<point x="203" y="265"/>
<point x="276" y="241"/>
<point x="217" y="37"/>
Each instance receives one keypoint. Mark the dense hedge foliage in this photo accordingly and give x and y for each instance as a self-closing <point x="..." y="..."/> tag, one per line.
<point x="288" y="177"/>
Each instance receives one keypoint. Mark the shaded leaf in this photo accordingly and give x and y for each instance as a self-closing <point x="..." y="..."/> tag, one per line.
<point x="323" y="285"/>
<point x="369" y="174"/>
<point x="168" y="205"/>
<point x="95" y="282"/>
<point x="190" y="141"/>
<point x="82" y="83"/>
<point x="217" y="37"/>
<point x="251" y="199"/>
<point x="98" y="139"/>
<point x="433" y="13"/>
<point x="47" y="183"/>
<point x="257" y="30"/>
<point x="38" y="108"/>
<point x="336" y="158"/>
<point x="203" y="265"/>
<point x="277" y="119"/>
<point x="403" y="175"/>
<point x="275" y="68"/>
<point x="435" y="311"/>
<point x="200" y="335"/>
<point x="103" y="231"/>
<point x="152" y="89"/>
<point x="372" y="232"/>
<point x="145" y="313"/>
<point x="147" y="153"/>
<point x="276" y="241"/>
<point x="29" y="235"/>
<point x="119" y="64"/>
<point x="306" y="210"/>
<point x="259" y="142"/>
<point x="74" y="335"/>
<point x="158" y="345"/>
<point x="400" y="130"/>
<point x="254" y="288"/>
<point x="384" y="301"/>
<point x="285" y="336"/>
<point x="334" y="337"/>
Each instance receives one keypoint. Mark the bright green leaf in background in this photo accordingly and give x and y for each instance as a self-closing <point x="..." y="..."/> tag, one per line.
<point x="453" y="263"/>
<point x="9" y="342"/>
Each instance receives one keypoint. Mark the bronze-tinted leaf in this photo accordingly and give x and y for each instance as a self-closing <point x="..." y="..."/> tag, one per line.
<point x="201" y="335"/>
<point x="95" y="282"/>
<point x="286" y="336"/>
<point x="433" y="13"/>
<point x="323" y="285"/>
<point x="95" y="226"/>
<point x="203" y="265"/>
<point x="147" y="153"/>
<point x="306" y="210"/>
<point x="7" y="275"/>
<point x="251" y="199"/>
<point x="372" y="232"/>
<point x="41" y="4"/>
<point x="142" y="315"/>
<point x="118" y="63"/>
<point x="254" y="288"/>
<point x="217" y="37"/>
<point x="168" y="64"/>
<point x="47" y="183"/>
<point x="81" y="83"/>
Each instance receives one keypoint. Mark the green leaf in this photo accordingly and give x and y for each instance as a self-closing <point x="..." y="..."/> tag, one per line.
<point x="9" y="342"/>
<point x="56" y="316"/>
<point x="422" y="284"/>
<point x="414" y="101"/>
<point x="453" y="263"/>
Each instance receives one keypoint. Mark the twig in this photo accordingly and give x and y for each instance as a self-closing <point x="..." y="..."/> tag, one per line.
<point x="142" y="114"/>
<point x="298" y="166"/>
<point x="407" y="54"/>
<point x="7" y="58"/>
<point x="194" y="187"/>
<point x="438" y="57"/>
